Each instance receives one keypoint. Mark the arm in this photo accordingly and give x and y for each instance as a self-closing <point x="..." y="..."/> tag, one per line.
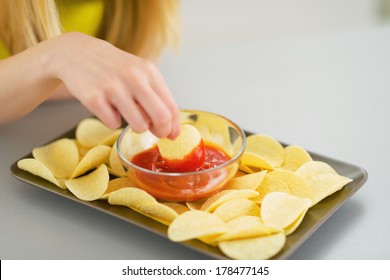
<point x="109" y="82"/>
<point x="60" y="93"/>
<point x="24" y="84"/>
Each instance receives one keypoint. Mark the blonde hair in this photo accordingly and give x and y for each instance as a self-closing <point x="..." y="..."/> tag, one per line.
<point x="141" y="27"/>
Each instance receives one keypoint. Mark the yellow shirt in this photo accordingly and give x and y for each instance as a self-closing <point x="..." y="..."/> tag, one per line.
<point x="76" y="15"/>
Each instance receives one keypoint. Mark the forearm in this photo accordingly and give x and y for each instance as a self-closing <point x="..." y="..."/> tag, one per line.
<point x="26" y="81"/>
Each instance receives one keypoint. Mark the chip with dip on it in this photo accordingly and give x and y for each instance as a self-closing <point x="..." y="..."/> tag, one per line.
<point x="185" y="153"/>
<point x="166" y="168"/>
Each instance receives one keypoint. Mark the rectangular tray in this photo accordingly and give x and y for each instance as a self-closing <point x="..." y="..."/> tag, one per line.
<point x="314" y="218"/>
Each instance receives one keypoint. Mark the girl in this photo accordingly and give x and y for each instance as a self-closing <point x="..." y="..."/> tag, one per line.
<point x="95" y="50"/>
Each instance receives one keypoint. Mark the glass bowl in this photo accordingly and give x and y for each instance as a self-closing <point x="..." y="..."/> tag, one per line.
<point x="187" y="186"/>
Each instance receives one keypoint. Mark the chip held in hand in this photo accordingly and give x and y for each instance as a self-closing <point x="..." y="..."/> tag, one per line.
<point x="186" y="153"/>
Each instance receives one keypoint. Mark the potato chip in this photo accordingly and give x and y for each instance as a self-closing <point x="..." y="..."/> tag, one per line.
<point x="242" y="167"/>
<point x="115" y="166"/>
<point x="281" y="209"/>
<point x="158" y="212"/>
<point x="90" y="187"/>
<point x="323" y="185"/>
<point x="247" y="181"/>
<point x="82" y="150"/>
<point x="186" y="152"/>
<point x="196" y="205"/>
<point x="93" y="158"/>
<point x="247" y="227"/>
<point x="142" y="202"/>
<point x="60" y="157"/>
<point x="266" y="147"/>
<point x="271" y="184"/>
<point x="245" y="222"/>
<point x="117" y="184"/>
<point x="211" y="240"/>
<point x="131" y="197"/>
<point x="217" y="199"/>
<point x="215" y="130"/>
<point x="91" y="132"/>
<point x="294" y="225"/>
<point x="295" y="156"/>
<point x="61" y="182"/>
<point x="111" y="139"/>
<point x="250" y="159"/>
<point x="312" y="168"/>
<point x="296" y="184"/>
<point x="177" y="207"/>
<point x="240" y="173"/>
<point x="237" y="207"/>
<point x="39" y="169"/>
<point x="258" y="248"/>
<point x="195" y="224"/>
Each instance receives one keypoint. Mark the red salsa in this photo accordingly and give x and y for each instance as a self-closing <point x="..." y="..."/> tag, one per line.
<point x="151" y="159"/>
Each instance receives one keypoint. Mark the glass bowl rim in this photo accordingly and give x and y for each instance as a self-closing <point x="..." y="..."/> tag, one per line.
<point x="178" y="174"/>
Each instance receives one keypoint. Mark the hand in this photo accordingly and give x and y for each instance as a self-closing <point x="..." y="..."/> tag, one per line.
<point x="112" y="83"/>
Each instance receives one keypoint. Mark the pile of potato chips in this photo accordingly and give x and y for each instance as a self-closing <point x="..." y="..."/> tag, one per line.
<point x="249" y="219"/>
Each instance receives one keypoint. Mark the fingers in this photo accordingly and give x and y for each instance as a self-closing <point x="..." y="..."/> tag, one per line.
<point x="131" y="111"/>
<point x="146" y="103"/>
<point x="105" y="112"/>
<point x="162" y="90"/>
<point x="161" y="119"/>
<point x="175" y="131"/>
<point x="141" y="110"/>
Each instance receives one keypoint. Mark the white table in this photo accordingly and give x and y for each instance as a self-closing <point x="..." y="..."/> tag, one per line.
<point x="328" y="93"/>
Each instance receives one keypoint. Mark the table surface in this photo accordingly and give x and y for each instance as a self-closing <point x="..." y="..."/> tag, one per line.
<point x="328" y="93"/>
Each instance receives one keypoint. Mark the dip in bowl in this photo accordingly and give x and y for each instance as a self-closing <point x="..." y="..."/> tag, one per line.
<point x="224" y="141"/>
